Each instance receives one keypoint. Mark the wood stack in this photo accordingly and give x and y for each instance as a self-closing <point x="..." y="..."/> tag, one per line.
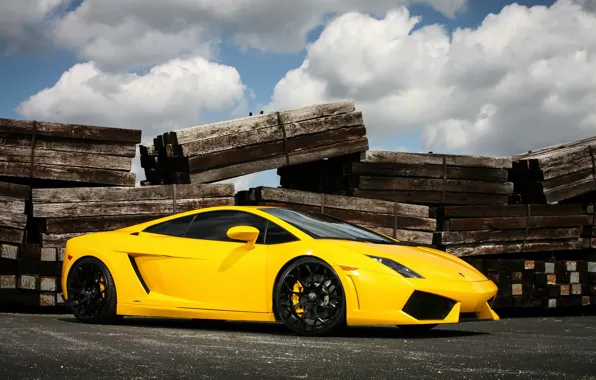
<point x="486" y="230"/>
<point x="27" y="277"/>
<point x="427" y="179"/>
<point x="540" y="283"/>
<point x="64" y="213"/>
<point x="58" y="155"/>
<point x="558" y="173"/>
<point x="215" y="152"/>
<point x="410" y="223"/>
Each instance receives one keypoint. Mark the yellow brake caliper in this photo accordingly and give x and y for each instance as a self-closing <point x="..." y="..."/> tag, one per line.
<point x="296" y="298"/>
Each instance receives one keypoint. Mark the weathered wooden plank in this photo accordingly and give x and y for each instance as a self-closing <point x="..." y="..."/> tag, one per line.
<point x="519" y="210"/>
<point x="12" y="220"/>
<point x="271" y="149"/>
<point x="306" y="155"/>
<point x="475" y="237"/>
<point x="555" y="147"/>
<point x="368" y="218"/>
<point x="432" y="197"/>
<point x="95" y="224"/>
<point x="8" y="281"/>
<point x="424" y="184"/>
<point x="82" y="132"/>
<point x="572" y="190"/>
<point x="79" y="209"/>
<point x="57" y="240"/>
<point x="9" y="251"/>
<point x="11" y="205"/>
<point x="250" y="123"/>
<point x="421" y="237"/>
<point x="70" y="145"/>
<point x="115" y="194"/>
<point x="63" y="173"/>
<point x="51" y="157"/>
<point x="11" y="235"/>
<point x="12" y="190"/>
<point x="437" y="159"/>
<point x="426" y="171"/>
<point x="263" y="135"/>
<point x="337" y="201"/>
<point x="496" y="248"/>
<point x="556" y="168"/>
<point x="512" y="223"/>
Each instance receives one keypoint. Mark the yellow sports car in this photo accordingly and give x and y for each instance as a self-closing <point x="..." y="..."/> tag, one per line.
<point x="251" y="263"/>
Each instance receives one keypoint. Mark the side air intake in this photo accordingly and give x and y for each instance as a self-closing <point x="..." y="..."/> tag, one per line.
<point x="138" y="273"/>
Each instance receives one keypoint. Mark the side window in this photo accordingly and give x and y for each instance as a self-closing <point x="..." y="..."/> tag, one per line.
<point x="277" y="235"/>
<point x="175" y="227"/>
<point x="214" y="225"/>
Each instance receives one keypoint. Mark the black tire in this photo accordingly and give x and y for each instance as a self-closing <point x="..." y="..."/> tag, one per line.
<point x="87" y="301"/>
<point x="322" y="296"/>
<point x="416" y="329"/>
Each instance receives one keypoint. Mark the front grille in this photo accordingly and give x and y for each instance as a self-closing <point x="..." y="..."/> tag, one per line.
<point x="425" y="306"/>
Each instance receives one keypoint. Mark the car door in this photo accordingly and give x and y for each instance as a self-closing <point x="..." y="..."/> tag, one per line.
<point x="207" y="270"/>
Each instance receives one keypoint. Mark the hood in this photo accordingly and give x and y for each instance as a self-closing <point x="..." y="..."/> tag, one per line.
<point x="431" y="263"/>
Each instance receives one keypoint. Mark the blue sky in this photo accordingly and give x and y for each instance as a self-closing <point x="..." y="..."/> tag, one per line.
<point x="455" y="129"/>
<point x="22" y="76"/>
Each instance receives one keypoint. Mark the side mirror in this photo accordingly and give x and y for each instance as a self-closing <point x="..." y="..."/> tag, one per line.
<point x="244" y="233"/>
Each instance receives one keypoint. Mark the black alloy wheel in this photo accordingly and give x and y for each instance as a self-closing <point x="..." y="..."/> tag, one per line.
<point x="309" y="298"/>
<point x="91" y="292"/>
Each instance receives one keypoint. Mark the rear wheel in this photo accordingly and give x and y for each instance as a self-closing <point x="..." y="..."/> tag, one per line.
<point x="309" y="298"/>
<point x="91" y="292"/>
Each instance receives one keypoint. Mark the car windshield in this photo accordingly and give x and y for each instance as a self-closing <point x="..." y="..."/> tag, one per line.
<point x="321" y="226"/>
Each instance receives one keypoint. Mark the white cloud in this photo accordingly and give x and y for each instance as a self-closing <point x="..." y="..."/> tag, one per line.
<point x="170" y="96"/>
<point x="125" y="34"/>
<point x="524" y="78"/>
<point x="22" y="23"/>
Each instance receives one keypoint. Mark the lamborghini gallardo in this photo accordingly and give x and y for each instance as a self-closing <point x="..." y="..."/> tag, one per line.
<point x="314" y="273"/>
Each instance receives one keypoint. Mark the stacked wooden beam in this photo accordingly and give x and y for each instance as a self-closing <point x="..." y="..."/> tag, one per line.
<point x="494" y="229"/>
<point x="63" y="213"/>
<point x="540" y="283"/>
<point x="26" y="277"/>
<point x="428" y="179"/>
<point x="556" y="173"/>
<point x="215" y="152"/>
<point x="55" y="154"/>
<point x="13" y="218"/>
<point x="411" y="223"/>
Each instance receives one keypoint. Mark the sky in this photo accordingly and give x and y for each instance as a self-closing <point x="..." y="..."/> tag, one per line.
<point x="484" y="77"/>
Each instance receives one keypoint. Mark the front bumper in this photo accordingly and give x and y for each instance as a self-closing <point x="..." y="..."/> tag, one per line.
<point x="392" y="300"/>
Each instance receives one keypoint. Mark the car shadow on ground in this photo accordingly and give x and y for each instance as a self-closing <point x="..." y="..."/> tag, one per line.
<point x="269" y="328"/>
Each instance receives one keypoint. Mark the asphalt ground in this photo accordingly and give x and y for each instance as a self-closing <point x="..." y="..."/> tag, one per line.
<point x="58" y="347"/>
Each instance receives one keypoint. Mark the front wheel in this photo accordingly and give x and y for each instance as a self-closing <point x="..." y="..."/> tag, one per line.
<point x="310" y="299"/>
<point x="91" y="292"/>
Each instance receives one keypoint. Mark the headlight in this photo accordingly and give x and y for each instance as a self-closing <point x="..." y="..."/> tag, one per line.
<point x="404" y="271"/>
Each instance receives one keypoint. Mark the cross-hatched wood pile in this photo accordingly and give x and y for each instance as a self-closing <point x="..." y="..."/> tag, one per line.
<point x="501" y="229"/>
<point x="64" y="213"/>
<point x="229" y="149"/>
<point x="543" y="284"/>
<point x="54" y="154"/>
<point x="406" y="222"/>
<point x="558" y="173"/>
<point x="419" y="178"/>
<point x="27" y="275"/>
